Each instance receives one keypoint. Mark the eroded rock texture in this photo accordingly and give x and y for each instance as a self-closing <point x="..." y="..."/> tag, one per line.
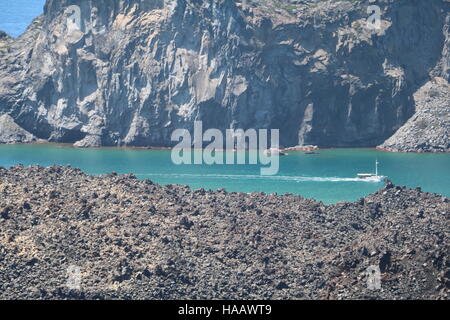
<point x="136" y="70"/>
<point x="133" y="239"/>
<point x="428" y="129"/>
<point x="12" y="133"/>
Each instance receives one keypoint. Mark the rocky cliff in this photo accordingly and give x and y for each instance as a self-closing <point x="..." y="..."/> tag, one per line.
<point x="428" y="129"/>
<point x="130" y="72"/>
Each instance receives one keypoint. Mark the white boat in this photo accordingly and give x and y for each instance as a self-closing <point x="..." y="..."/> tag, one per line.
<point x="372" y="176"/>
<point x="274" y="152"/>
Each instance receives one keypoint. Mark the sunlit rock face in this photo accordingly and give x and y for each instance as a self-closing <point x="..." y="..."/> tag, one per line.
<point x="428" y="130"/>
<point x="116" y="72"/>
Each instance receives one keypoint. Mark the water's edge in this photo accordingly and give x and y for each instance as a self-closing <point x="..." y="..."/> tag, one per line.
<point x="328" y="176"/>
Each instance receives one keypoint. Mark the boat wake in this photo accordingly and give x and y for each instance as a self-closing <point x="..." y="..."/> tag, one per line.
<point x="259" y="177"/>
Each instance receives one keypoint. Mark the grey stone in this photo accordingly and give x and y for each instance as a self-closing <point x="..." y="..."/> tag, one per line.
<point x="428" y="129"/>
<point x="11" y="132"/>
<point x="137" y="70"/>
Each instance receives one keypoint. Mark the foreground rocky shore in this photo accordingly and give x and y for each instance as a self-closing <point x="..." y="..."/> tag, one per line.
<point x="133" y="239"/>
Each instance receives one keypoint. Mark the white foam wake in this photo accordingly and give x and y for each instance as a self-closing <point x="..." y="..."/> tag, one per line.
<point x="259" y="177"/>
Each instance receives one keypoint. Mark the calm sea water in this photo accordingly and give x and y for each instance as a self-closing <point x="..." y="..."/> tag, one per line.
<point x="16" y="15"/>
<point x="328" y="176"/>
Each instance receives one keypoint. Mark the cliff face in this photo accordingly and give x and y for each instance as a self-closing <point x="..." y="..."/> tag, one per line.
<point x="136" y="70"/>
<point x="428" y="129"/>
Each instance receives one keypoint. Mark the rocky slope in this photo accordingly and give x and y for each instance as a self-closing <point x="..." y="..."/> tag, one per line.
<point x="135" y="239"/>
<point x="12" y="133"/>
<point x="428" y="129"/>
<point x="135" y="70"/>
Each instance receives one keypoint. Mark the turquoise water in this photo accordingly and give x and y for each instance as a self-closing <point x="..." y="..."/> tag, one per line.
<point x="16" y="15"/>
<point x="327" y="176"/>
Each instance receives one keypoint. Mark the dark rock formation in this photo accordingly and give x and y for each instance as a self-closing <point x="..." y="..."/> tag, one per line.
<point x="136" y="70"/>
<point x="428" y="129"/>
<point x="133" y="239"/>
<point x="10" y="132"/>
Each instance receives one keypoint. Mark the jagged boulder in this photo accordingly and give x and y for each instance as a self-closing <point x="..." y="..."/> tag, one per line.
<point x="10" y="132"/>
<point x="90" y="141"/>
